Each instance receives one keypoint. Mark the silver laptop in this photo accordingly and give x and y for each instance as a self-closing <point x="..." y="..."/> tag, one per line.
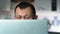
<point x="23" y="27"/>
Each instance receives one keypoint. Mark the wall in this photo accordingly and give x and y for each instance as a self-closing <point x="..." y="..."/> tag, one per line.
<point x="5" y="5"/>
<point x="5" y="9"/>
<point x="43" y="5"/>
<point x="58" y="5"/>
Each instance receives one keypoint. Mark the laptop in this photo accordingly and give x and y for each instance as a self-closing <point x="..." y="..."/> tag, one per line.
<point x="23" y="27"/>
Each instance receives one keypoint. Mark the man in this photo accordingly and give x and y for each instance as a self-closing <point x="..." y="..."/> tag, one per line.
<point x="25" y="10"/>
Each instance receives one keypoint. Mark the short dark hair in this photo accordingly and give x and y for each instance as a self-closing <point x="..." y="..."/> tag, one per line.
<point x="23" y="5"/>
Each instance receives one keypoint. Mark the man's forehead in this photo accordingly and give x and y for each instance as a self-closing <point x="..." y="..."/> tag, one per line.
<point x="27" y="10"/>
<point x="24" y="8"/>
<point x="24" y="11"/>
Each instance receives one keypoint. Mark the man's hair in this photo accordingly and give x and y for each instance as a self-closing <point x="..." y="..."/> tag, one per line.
<point x="23" y="5"/>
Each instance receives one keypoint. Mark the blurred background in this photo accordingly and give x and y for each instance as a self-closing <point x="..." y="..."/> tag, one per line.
<point x="42" y="6"/>
<point x="45" y="9"/>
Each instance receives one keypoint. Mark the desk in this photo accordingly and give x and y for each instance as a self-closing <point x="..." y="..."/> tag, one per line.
<point x="54" y="30"/>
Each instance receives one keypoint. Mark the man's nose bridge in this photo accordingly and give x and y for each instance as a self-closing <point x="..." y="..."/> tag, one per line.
<point x="22" y="18"/>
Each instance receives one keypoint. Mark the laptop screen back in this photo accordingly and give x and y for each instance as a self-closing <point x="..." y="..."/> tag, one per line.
<point x="23" y="27"/>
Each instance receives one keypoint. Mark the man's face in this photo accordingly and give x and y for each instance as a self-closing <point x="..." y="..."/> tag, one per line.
<point x="24" y="13"/>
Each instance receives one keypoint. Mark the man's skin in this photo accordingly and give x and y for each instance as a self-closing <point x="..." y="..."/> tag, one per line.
<point x="25" y="13"/>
